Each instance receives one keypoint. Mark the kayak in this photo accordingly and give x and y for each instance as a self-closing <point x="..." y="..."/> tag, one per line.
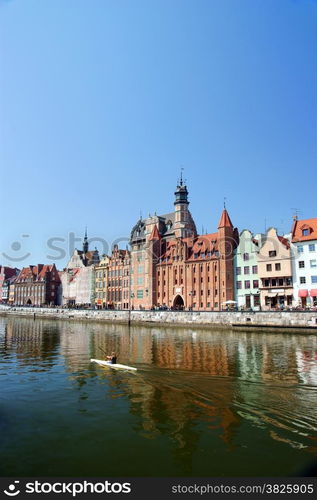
<point x="111" y="365"/>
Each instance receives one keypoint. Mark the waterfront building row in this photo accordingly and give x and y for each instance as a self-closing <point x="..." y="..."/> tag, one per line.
<point x="170" y="266"/>
<point x="277" y="272"/>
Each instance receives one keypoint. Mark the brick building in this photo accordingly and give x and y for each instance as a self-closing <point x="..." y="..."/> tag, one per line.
<point x="118" y="279"/>
<point x="37" y="285"/>
<point x="173" y="267"/>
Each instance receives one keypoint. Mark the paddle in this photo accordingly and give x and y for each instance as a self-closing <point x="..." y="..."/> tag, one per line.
<point x="103" y="350"/>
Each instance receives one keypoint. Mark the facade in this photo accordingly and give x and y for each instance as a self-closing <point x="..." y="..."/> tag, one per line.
<point x="101" y="275"/>
<point x="118" y="289"/>
<point x="37" y="285"/>
<point x="7" y="287"/>
<point x="173" y="267"/>
<point x="6" y="273"/>
<point x="11" y="298"/>
<point x="304" y="244"/>
<point x="78" y="278"/>
<point x="275" y="272"/>
<point x="247" y="293"/>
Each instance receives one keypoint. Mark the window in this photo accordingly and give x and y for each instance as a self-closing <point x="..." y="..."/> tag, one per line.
<point x="140" y="269"/>
<point x="246" y="270"/>
<point x="254" y="269"/>
<point x="255" y="283"/>
<point x="238" y="270"/>
<point x="302" y="279"/>
<point x="272" y="253"/>
<point x="239" y="285"/>
<point x="247" y="284"/>
<point x="312" y="247"/>
<point x="301" y="264"/>
<point x="256" y="300"/>
<point x="300" y="249"/>
<point x="277" y="267"/>
<point x="140" y="280"/>
<point x="313" y="263"/>
<point x="269" y="267"/>
<point x="280" y="282"/>
<point x="139" y="294"/>
<point x="245" y="256"/>
<point x="305" y="232"/>
<point x="314" y="279"/>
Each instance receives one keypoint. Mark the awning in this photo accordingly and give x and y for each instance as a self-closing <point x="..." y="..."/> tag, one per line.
<point x="303" y="293"/>
<point x="313" y="293"/>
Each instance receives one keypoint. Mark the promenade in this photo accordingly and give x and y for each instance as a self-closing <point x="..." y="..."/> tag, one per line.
<point x="304" y="321"/>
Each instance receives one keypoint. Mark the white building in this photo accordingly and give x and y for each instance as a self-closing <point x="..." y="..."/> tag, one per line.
<point x="304" y="262"/>
<point x="78" y="278"/>
<point x="247" y="294"/>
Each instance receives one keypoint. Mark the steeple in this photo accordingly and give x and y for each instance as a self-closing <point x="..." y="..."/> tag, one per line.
<point x="184" y="225"/>
<point x="225" y="220"/>
<point x="181" y="193"/>
<point x="85" y="242"/>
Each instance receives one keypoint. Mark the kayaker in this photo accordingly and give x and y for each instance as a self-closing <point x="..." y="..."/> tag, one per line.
<point x="112" y="358"/>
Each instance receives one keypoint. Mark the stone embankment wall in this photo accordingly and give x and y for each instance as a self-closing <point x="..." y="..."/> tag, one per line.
<point x="236" y="320"/>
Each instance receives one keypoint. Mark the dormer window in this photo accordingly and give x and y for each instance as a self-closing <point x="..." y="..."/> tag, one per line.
<point x="305" y="232"/>
<point x="245" y="256"/>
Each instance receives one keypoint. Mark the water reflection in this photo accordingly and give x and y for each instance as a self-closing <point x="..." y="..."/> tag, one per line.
<point x="196" y="393"/>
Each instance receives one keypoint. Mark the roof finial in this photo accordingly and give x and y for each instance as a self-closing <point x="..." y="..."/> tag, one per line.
<point x="181" y="178"/>
<point x="224" y="203"/>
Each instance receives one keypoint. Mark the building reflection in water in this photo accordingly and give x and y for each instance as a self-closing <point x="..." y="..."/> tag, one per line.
<point x="186" y="376"/>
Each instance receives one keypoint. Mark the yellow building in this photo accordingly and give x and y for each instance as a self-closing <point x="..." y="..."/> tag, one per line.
<point x="101" y="282"/>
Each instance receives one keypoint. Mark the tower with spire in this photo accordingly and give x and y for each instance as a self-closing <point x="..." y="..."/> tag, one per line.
<point x="85" y="242"/>
<point x="184" y="225"/>
<point x="227" y="242"/>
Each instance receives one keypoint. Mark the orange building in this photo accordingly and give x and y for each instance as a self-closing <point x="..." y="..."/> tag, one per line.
<point x="173" y="267"/>
<point x="118" y="279"/>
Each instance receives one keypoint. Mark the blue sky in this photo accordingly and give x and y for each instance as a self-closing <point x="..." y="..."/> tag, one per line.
<point x="102" y="101"/>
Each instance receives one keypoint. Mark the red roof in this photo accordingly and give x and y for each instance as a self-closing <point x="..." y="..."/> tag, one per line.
<point x="299" y="226"/>
<point x="225" y="220"/>
<point x="36" y="273"/>
<point x="284" y="241"/>
<point x="155" y="235"/>
<point x="197" y="248"/>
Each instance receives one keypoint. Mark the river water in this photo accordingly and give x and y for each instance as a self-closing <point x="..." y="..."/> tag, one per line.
<point x="202" y="403"/>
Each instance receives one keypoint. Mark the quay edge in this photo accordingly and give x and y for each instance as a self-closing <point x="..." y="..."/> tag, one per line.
<point x="286" y="321"/>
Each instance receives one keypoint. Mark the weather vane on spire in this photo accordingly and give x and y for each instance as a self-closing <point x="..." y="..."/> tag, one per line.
<point x="224" y="202"/>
